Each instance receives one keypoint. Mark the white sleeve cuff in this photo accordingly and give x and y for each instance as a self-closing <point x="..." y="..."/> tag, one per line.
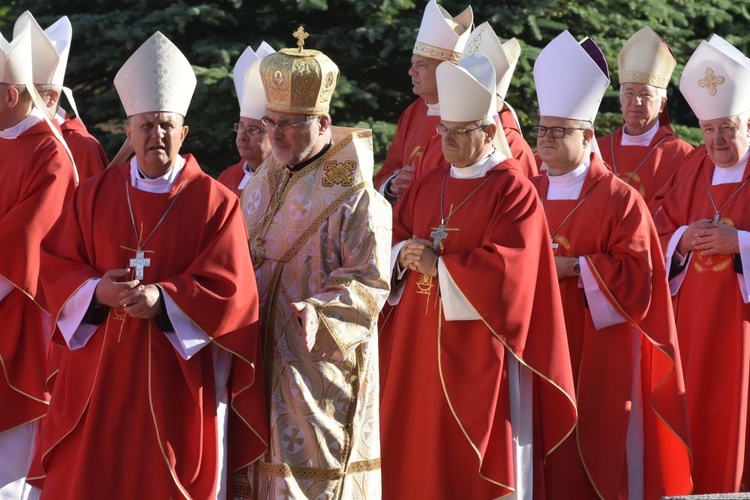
<point x="186" y="338"/>
<point x="70" y="321"/>
<point x="5" y="287"/>
<point x="676" y="282"/>
<point x="603" y="313"/>
<point x="456" y="306"/>
<point x="396" y="291"/>
<point x="744" y="278"/>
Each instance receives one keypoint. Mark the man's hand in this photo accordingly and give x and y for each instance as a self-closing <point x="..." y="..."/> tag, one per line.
<point x="401" y="180"/>
<point x="564" y="266"/>
<point x="308" y="320"/>
<point x="718" y="239"/>
<point x="141" y="302"/>
<point x="417" y="255"/>
<point x="690" y="238"/>
<point x="112" y="286"/>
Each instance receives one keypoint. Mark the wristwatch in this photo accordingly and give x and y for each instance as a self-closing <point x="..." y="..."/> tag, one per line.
<point x="577" y="266"/>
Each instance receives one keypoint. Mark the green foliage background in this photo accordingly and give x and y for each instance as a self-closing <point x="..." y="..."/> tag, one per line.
<point x="371" y="41"/>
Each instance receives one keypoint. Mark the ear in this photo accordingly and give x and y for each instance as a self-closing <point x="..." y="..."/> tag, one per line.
<point x="184" y="133"/>
<point x="588" y="136"/>
<point x="325" y="122"/>
<point x="490" y="132"/>
<point x="663" y="104"/>
<point x="10" y="96"/>
<point x="126" y="126"/>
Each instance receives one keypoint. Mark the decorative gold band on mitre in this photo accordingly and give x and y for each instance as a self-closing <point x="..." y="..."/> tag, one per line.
<point x="319" y="473"/>
<point x="427" y="50"/>
<point x="298" y="81"/>
<point x="659" y="81"/>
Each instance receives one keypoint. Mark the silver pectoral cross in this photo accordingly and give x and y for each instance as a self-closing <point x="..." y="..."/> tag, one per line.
<point x="717" y="217"/>
<point x="439" y="234"/>
<point x="139" y="263"/>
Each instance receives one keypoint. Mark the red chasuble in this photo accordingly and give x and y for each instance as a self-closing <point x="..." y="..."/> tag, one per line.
<point x="88" y="154"/>
<point x="647" y="168"/>
<point x="445" y="412"/>
<point x="613" y="231"/>
<point x="129" y="416"/>
<point x="232" y="176"/>
<point x="37" y="179"/>
<point x="713" y="324"/>
<point x="413" y="132"/>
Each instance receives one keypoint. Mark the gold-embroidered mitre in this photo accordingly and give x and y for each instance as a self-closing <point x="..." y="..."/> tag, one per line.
<point x="646" y="58"/>
<point x="299" y="81"/>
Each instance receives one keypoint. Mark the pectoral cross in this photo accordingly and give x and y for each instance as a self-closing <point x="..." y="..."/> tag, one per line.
<point x="139" y="262"/>
<point x="439" y="234"/>
<point x="717" y="217"/>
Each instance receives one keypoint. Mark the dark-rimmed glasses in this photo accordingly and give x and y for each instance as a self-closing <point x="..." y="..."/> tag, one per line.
<point x="454" y="131"/>
<point x="554" y="132"/>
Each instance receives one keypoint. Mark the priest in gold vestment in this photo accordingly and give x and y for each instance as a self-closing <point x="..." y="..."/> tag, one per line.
<point x="320" y="238"/>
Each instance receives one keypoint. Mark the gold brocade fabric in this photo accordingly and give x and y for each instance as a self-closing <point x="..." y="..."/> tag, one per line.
<point x="321" y="235"/>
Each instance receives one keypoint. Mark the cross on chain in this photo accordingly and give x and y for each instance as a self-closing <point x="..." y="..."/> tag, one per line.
<point x="439" y="234"/>
<point x="139" y="263"/>
<point x="301" y="36"/>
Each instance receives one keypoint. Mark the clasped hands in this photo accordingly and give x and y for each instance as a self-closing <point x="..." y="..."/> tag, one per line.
<point x="709" y="238"/>
<point x="417" y="255"/>
<point x="116" y="291"/>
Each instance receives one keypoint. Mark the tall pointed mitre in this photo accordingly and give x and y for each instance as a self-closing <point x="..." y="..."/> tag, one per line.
<point x="299" y="81"/>
<point x="467" y="91"/>
<point x="15" y="57"/>
<point x="157" y="77"/>
<point x="442" y="36"/>
<point x="570" y="78"/>
<point x="504" y="56"/>
<point x="646" y="58"/>
<point x="716" y="80"/>
<point x="50" y="48"/>
<point x="247" y="81"/>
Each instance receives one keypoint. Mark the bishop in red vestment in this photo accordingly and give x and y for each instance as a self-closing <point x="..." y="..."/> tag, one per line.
<point x="644" y="151"/>
<point x="88" y="154"/>
<point x="479" y="391"/>
<point x="158" y="390"/>
<point x="632" y="439"/>
<point x="704" y="224"/>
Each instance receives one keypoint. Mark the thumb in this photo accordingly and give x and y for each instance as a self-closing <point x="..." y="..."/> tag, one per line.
<point x="298" y="306"/>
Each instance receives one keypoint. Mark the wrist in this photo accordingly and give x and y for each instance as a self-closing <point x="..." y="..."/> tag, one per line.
<point x="576" y="267"/>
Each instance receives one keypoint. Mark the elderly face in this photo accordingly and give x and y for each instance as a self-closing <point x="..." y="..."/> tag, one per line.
<point x="726" y="139"/>
<point x="252" y="141"/>
<point x="563" y="154"/>
<point x="640" y="105"/>
<point x="156" y="138"/>
<point x="423" y="81"/>
<point x="465" y="143"/>
<point x="295" y="138"/>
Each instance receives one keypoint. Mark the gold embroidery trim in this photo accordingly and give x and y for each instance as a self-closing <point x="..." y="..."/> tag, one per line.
<point x="319" y="473"/>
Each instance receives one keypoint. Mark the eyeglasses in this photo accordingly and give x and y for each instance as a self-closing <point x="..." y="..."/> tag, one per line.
<point x="284" y="126"/>
<point x="554" y="132"/>
<point x="643" y="96"/>
<point x="251" y="130"/>
<point x="445" y="131"/>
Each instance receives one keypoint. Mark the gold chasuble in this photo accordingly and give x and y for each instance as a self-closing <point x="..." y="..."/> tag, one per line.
<point x="321" y="234"/>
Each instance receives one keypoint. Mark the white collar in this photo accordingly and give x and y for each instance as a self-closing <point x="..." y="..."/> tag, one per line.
<point x="19" y="128"/>
<point x="732" y="174"/>
<point x="639" y="140"/>
<point x="433" y="109"/>
<point x="162" y="184"/>
<point x="60" y="116"/>
<point x="571" y="178"/>
<point x="249" y="174"/>
<point x="480" y="168"/>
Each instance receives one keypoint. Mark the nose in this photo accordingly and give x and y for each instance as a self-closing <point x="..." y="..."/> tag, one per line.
<point x="412" y="71"/>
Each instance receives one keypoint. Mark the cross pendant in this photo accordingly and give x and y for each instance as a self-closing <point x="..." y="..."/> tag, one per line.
<point x="139" y="263"/>
<point x="439" y="234"/>
<point x="717" y="217"/>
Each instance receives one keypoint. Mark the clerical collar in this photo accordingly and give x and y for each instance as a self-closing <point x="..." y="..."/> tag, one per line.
<point x="639" y="140"/>
<point x="19" y="128"/>
<point x="730" y="175"/>
<point x="433" y="109"/>
<point x="162" y="184"/>
<point x="60" y="116"/>
<point x="480" y="168"/>
<point x="568" y="185"/>
<point x="249" y="174"/>
<point x="300" y="166"/>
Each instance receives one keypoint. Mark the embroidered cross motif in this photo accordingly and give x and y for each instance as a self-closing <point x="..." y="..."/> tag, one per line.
<point x="710" y="82"/>
<point x="301" y="36"/>
<point x="339" y="173"/>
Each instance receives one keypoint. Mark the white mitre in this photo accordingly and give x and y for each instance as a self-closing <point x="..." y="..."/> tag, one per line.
<point x="15" y="57"/>
<point x="504" y="56"/>
<point x="50" y="48"/>
<point x="570" y="79"/>
<point x="157" y="77"/>
<point x="716" y="80"/>
<point x="467" y="91"/>
<point x="249" y="84"/>
<point x="442" y="36"/>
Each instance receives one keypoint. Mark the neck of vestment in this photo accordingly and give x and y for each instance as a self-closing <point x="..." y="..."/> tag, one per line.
<point x="643" y="139"/>
<point x="480" y="168"/>
<point x="161" y="184"/>
<point x="316" y="156"/>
